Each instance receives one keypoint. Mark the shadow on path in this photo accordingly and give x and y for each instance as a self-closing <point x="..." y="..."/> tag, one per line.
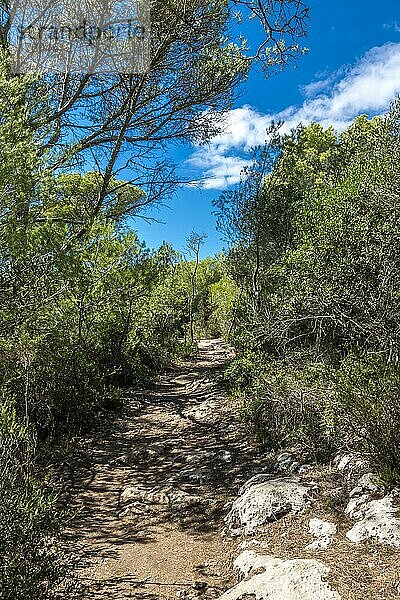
<point x="152" y="488"/>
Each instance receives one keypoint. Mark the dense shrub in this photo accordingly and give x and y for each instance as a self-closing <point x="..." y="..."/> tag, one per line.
<point x="314" y="228"/>
<point x="367" y="401"/>
<point x="30" y="562"/>
<point x="285" y="404"/>
<point x="240" y="374"/>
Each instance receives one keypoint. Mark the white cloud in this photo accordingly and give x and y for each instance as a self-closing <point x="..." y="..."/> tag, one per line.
<point x="317" y="87"/>
<point x="368" y="87"/>
<point x="222" y="160"/>
<point x="221" y="171"/>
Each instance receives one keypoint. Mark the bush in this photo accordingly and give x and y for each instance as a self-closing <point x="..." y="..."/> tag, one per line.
<point x="367" y="398"/>
<point x="30" y="564"/>
<point x="240" y="374"/>
<point x="285" y="405"/>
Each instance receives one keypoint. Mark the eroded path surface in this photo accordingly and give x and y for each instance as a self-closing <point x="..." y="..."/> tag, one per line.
<point x="153" y="488"/>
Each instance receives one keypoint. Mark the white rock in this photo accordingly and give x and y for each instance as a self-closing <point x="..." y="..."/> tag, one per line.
<point x="280" y="579"/>
<point x="351" y="463"/>
<point x="320" y="528"/>
<point x="179" y="500"/>
<point x="343" y="461"/>
<point x="204" y="412"/>
<point x="304" y="469"/>
<point x="139" y="499"/>
<point x="260" y="478"/>
<point x="323" y="531"/>
<point x="294" y="467"/>
<point x="267" y="501"/>
<point x="226" y="456"/>
<point x="135" y="493"/>
<point x="356" y="506"/>
<point x="248" y="562"/>
<point x="319" y="544"/>
<point x="379" y="520"/>
<point x="366" y="483"/>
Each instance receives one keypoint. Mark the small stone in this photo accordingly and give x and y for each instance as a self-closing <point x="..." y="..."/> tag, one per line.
<point x="226" y="456"/>
<point x="323" y="531"/>
<point x="200" y="585"/>
<point x="304" y="469"/>
<point x="247" y="544"/>
<point x="320" y="528"/>
<point x="294" y="467"/>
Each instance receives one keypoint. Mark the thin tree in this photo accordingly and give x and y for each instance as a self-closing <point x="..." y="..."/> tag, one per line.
<point x="194" y="244"/>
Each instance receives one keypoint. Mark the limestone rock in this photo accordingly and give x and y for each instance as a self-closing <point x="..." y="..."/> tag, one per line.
<point x="323" y="531"/>
<point x="366" y="484"/>
<point x="179" y="501"/>
<point x="356" y="505"/>
<point x="260" y="478"/>
<point x="134" y="494"/>
<point x="252" y="544"/>
<point x="204" y="412"/>
<point x="379" y="520"/>
<point x="269" y="578"/>
<point x="266" y="499"/>
<point x="138" y="499"/>
<point x="351" y="464"/>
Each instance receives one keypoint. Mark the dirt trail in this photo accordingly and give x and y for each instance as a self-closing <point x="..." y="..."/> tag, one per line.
<point x="153" y="488"/>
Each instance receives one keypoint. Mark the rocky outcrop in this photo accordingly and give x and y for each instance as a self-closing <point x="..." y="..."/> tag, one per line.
<point x="271" y="566"/>
<point x="136" y="501"/>
<point x="366" y="485"/>
<point x="351" y="464"/>
<point x="378" y="519"/>
<point x="266" y="498"/>
<point x="287" y="461"/>
<point x="270" y="578"/>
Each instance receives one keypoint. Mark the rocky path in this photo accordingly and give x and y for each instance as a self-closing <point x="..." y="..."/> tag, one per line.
<point x="152" y="488"/>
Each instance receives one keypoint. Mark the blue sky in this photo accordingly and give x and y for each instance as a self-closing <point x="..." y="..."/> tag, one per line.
<point x="353" y="67"/>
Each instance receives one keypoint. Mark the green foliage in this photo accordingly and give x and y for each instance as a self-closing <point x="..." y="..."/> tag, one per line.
<point x="30" y="562"/>
<point x="285" y="404"/>
<point x="367" y="395"/>
<point x="106" y="317"/>
<point x="202" y="301"/>
<point x="84" y="306"/>
<point x="315" y="235"/>
<point x="224" y="298"/>
<point x="239" y="375"/>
